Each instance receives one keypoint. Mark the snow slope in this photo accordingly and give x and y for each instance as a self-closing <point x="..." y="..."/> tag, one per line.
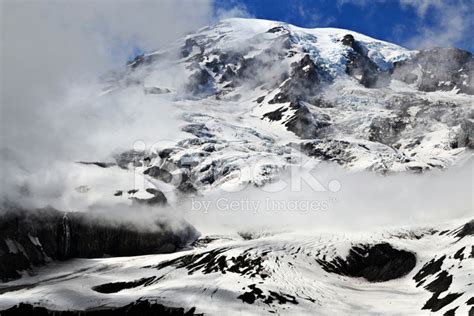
<point x="280" y="273"/>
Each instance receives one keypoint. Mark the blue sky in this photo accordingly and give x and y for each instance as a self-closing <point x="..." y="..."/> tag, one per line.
<point x="411" y="23"/>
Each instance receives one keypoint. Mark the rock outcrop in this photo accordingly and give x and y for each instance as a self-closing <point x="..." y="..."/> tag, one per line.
<point x="438" y="69"/>
<point x="375" y="263"/>
<point x="141" y="307"/>
<point x="32" y="238"/>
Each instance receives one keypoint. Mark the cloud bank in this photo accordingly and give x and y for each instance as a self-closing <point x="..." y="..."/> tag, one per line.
<point x="50" y="46"/>
<point x="442" y="23"/>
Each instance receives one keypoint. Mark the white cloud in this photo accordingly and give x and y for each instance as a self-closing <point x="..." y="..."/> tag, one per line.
<point x="452" y="27"/>
<point x="50" y="46"/>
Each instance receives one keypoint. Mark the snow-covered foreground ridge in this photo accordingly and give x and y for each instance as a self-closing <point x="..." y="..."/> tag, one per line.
<point x="410" y="271"/>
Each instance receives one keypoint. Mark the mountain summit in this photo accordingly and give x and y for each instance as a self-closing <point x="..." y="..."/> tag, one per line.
<point x="333" y="94"/>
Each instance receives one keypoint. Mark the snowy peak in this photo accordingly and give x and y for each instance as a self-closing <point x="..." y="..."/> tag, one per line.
<point x="247" y="89"/>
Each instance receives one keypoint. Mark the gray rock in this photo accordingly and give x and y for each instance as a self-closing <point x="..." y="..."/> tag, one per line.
<point x="466" y="134"/>
<point x="155" y="90"/>
<point x="33" y="238"/>
<point x="438" y="69"/>
<point x="359" y="64"/>
<point x="386" y="130"/>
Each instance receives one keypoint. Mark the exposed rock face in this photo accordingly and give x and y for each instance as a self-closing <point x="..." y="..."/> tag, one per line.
<point x="198" y="130"/>
<point x="438" y="69"/>
<point x="333" y="150"/>
<point x="375" y="263"/>
<point x="359" y="65"/>
<point x="303" y="82"/>
<point x="141" y="307"/>
<point x="159" y="173"/>
<point x="131" y="157"/>
<point x="189" y="44"/>
<point x="466" y="134"/>
<point x="386" y="130"/>
<point x="302" y="122"/>
<point x="155" y="90"/>
<point x="143" y="60"/>
<point x="465" y="230"/>
<point x="29" y="238"/>
<point x="200" y="83"/>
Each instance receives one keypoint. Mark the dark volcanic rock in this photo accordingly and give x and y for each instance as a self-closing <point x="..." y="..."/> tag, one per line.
<point x="188" y="47"/>
<point x="98" y="163"/>
<point x="165" y="153"/>
<point x="31" y="238"/>
<point x="115" y="287"/>
<point x="428" y="269"/>
<point x="302" y="122"/>
<point x="252" y="70"/>
<point x="466" y="230"/>
<point x="277" y="29"/>
<point x="435" y="303"/>
<point x="466" y="134"/>
<point x="155" y="90"/>
<point x="135" y="158"/>
<point x="140" y="307"/>
<point x="328" y="149"/>
<point x="375" y="263"/>
<point x="438" y="69"/>
<point x="275" y="115"/>
<point x="440" y="284"/>
<point x="360" y="65"/>
<point x="199" y="83"/>
<point x="198" y="130"/>
<point x="215" y="261"/>
<point x="144" y="60"/>
<point x="303" y="82"/>
<point x="255" y="293"/>
<point x="159" y="173"/>
<point x="386" y="130"/>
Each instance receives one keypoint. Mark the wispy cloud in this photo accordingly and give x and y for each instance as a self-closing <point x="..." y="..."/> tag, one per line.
<point x="313" y="18"/>
<point x="239" y="10"/>
<point x="450" y="25"/>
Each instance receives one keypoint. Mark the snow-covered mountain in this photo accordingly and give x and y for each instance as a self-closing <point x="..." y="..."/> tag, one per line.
<point x="253" y="99"/>
<point x="256" y="88"/>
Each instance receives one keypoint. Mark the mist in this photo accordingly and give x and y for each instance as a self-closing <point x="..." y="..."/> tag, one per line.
<point x="53" y="52"/>
<point x="343" y="201"/>
<point x="54" y="111"/>
<point x="54" y="57"/>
